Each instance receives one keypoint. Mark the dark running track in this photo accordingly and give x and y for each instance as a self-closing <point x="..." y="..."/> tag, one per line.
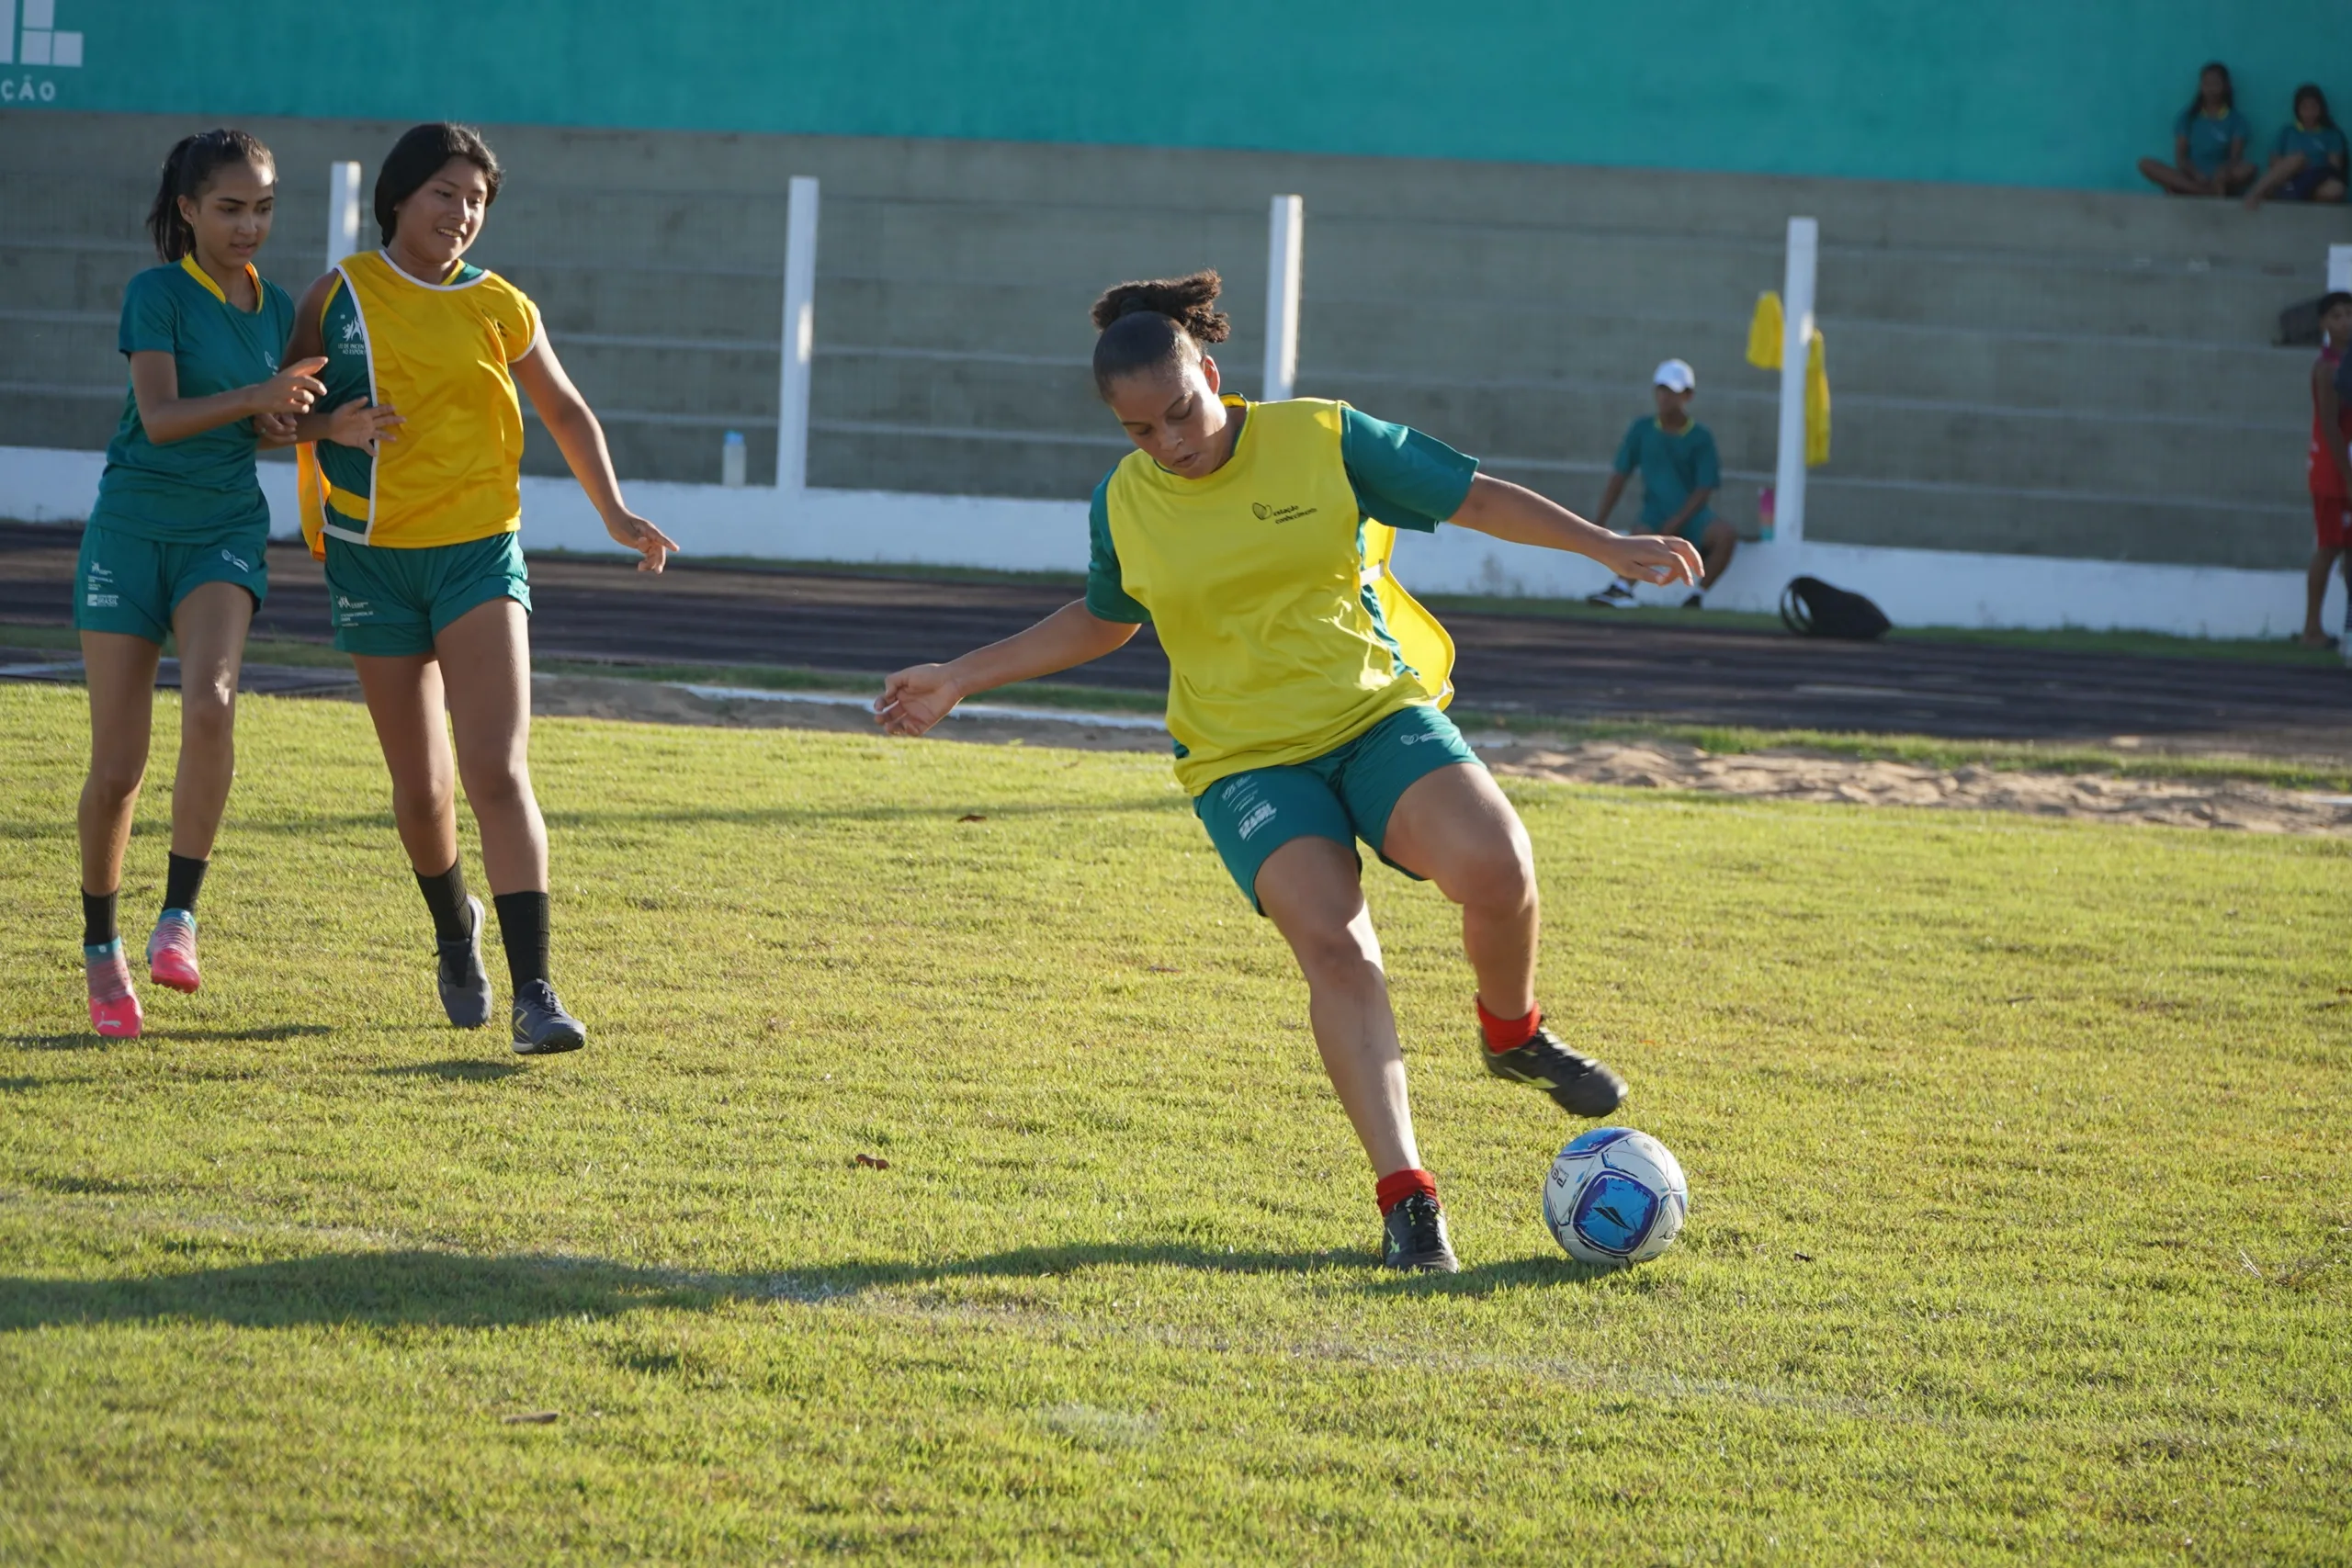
<point x="1579" y="669"/>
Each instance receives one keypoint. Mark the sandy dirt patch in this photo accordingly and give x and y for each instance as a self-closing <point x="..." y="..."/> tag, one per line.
<point x="1640" y="764"/>
<point x="1796" y="776"/>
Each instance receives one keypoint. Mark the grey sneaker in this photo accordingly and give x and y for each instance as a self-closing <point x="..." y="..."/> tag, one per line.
<point x="464" y="983"/>
<point x="1413" y="1238"/>
<point x="541" y="1026"/>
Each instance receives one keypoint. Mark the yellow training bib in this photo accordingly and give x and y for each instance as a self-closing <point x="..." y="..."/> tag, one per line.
<point x="439" y="353"/>
<point x="1286" y="636"/>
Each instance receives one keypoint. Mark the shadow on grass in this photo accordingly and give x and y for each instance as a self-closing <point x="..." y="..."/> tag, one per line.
<point x="445" y="1289"/>
<point x="18" y="1085"/>
<point x="83" y="1040"/>
<point x="453" y="1069"/>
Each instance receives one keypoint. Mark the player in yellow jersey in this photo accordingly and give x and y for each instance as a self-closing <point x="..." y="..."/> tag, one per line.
<point x="1303" y="694"/>
<point x="418" y="526"/>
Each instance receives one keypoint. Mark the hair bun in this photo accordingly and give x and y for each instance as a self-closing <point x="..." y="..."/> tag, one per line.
<point x="1189" y="302"/>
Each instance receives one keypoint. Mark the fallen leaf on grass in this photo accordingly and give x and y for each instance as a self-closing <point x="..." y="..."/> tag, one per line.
<point x="1165" y="969"/>
<point x="871" y="1162"/>
<point x="1805" y="1257"/>
<point x="971" y="817"/>
<point x="533" y="1418"/>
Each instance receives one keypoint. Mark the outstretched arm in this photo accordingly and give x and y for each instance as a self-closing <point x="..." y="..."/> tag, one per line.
<point x="167" y="417"/>
<point x="573" y="424"/>
<point x="1505" y="511"/>
<point x="914" y="699"/>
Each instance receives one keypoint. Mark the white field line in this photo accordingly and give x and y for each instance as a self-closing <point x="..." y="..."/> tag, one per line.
<point x="966" y="710"/>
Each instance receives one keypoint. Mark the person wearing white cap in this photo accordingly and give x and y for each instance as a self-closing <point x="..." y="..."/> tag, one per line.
<point x="1675" y="454"/>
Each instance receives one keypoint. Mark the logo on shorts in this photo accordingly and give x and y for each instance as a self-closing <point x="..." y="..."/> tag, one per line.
<point x="104" y="600"/>
<point x="347" y="610"/>
<point x="1265" y="514"/>
<point x="232" y="560"/>
<point x="1256" y="820"/>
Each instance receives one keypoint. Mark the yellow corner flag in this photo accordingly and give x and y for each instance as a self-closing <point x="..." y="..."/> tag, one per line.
<point x="1765" y="330"/>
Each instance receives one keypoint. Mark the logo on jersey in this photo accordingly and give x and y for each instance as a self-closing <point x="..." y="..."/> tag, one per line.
<point x="1265" y="514"/>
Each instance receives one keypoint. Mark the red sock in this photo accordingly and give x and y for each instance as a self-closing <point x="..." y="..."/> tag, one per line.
<point x="1508" y="1033"/>
<point x="1398" y="1185"/>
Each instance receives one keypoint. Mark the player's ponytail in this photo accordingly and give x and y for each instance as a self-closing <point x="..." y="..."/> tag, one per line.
<point x="1154" y="322"/>
<point x="188" y="169"/>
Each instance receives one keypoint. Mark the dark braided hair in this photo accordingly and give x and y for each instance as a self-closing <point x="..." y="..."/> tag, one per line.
<point x="2229" y="88"/>
<point x="1160" y="321"/>
<point x="187" y="170"/>
<point x="419" y="155"/>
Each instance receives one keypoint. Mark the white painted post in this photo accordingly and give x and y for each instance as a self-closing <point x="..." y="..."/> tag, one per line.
<point x="1285" y="249"/>
<point x="342" y="210"/>
<point x="799" y="336"/>
<point x="1796" y="299"/>
<point x="2339" y="269"/>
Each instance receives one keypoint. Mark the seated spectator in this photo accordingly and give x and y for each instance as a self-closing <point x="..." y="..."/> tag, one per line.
<point x="2208" y="142"/>
<point x="2306" y="164"/>
<point x="1675" y="454"/>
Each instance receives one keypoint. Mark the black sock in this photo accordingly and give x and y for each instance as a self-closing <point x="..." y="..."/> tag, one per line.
<point x="523" y="926"/>
<point x="445" y="896"/>
<point x="182" y="880"/>
<point x="97" y="919"/>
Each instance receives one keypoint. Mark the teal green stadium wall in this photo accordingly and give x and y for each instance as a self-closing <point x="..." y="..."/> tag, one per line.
<point x="2055" y="93"/>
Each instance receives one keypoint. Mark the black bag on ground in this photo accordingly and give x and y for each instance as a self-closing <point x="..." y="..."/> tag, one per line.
<point x="1809" y="607"/>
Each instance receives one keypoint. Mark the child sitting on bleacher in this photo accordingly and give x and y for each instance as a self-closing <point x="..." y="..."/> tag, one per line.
<point x="2307" y="163"/>
<point x="2208" y="142"/>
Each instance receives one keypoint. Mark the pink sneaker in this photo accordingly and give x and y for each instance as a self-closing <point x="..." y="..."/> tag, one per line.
<point x="114" y="1007"/>
<point x="171" y="951"/>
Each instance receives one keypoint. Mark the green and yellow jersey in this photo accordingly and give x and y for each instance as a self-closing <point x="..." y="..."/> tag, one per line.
<point x="202" y="486"/>
<point x="439" y="353"/>
<point x="1285" y="634"/>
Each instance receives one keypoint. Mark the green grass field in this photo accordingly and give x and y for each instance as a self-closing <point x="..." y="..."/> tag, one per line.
<point x="2019" y="1151"/>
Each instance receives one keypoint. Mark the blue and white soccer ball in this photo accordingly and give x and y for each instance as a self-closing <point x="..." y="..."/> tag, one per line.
<point x="1615" y="1196"/>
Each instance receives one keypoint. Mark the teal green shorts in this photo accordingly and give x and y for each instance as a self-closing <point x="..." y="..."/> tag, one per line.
<point x="390" y="604"/>
<point x="1344" y="795"/>
<point x="126" y="582"/>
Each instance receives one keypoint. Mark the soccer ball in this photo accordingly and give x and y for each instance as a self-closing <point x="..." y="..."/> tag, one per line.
<point x="1615" y="1196"/>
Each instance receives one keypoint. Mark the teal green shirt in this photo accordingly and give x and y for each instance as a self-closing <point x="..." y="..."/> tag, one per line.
<point x="1401" y="477"/>
<point x="1671" y="467"/>
<point x="203" y="486"/>
<point x="2320" y="144"/>
<point x="2210" y="139"/>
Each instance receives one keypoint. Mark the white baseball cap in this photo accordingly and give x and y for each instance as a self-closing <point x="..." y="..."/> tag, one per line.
<point x="1675" y="377"/>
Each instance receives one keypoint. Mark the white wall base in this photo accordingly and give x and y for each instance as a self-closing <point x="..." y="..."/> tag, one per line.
<point x="1915" y="588"/>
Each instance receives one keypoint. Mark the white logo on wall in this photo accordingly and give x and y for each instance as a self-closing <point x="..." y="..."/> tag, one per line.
<point x="32" y="39"/>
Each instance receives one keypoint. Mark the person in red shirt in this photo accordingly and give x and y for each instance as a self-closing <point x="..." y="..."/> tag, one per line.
<point x="2329" y="466"/>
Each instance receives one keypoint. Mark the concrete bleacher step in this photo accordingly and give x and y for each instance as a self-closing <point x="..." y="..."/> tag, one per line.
<point x="2050" y="372"/>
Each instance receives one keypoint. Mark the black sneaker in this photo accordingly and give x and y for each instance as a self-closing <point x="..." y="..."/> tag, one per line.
<point x="464" y="983"/>
<point x="1581" y="1086"/>
<point x="541" y="1026"/>
<point x="1414" y="1238"/>
<point x="1616" y="596"/>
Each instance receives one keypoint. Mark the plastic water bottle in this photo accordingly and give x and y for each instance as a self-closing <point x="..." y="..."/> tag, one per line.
<point x="730" y="460"/>
<point x="1764" y="502"/>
